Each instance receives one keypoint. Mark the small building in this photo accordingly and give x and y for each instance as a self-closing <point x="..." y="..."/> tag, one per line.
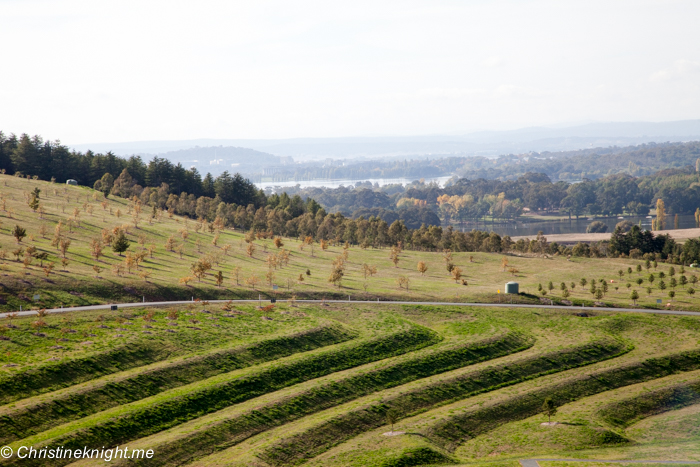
<point x="512" y="287"/>
<point x="70" y="181"/>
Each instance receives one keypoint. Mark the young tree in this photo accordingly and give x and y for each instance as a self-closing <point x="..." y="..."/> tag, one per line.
<point x="185" y="280"/>
<point x="422" y="268"/>
<point x="634" y="296"/>
<point x="219" y="279"/>
<point x="691" y="291"/>
<point x="19" y="233"/>
<point x="662" y="285"/>
<point x="96" y="248"/>
<point x="251" y="249"/>
<point x="252" y="281"/>
<point x="457" y="274"/>
<point x="671" y="294"/>
<point x="237" y="273"/>
<point x="549" y="409"/>
<point x="392" y="416"/>
<point x="120" y="243"/>
<point x="336" y="276"/>
<point x="402" y="281"/>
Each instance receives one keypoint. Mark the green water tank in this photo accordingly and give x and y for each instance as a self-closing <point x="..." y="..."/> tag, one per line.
<point x="512" y="287"/>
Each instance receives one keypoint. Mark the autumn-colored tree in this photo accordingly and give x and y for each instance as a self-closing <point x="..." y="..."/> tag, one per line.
<point x="270" y="276"/>
<point x="145" y="274"/>
<point x="422" y="268"/>
<point x="200" y="268"/>
<point x="96" y="248"/>
<point x="252" y="281"/>
<point x="278" y="242"/>
<point x="456" y="274"/>
<point x="251" y="249"/>
<point x="336" y="276"/>
<point x="170" y="243"/>
<point x="48" y="269"/>
<point x="403" y="281"/>
<point x="236" y="272"/>
<point x="185" y="280"/>
<point x="219" y="279"/>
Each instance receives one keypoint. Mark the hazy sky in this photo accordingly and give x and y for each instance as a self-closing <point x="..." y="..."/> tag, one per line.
<point x="92" y="71"/>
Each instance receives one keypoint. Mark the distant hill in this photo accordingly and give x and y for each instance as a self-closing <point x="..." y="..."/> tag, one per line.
<point x="485" y="143"/>
<point x="217" y="159"/>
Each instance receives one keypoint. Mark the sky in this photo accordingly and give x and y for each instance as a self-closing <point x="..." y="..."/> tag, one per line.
<point x="87" y="71"/>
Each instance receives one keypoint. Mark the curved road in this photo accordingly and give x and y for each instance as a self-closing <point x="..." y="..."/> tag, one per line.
<point x="502" y="305"/>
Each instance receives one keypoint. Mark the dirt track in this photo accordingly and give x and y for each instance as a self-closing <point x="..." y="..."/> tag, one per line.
<point x="681" y="234"/>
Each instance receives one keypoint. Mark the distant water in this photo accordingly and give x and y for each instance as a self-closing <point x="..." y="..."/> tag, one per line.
<point x="574" y="226"/>
<point x="345" y="182"/>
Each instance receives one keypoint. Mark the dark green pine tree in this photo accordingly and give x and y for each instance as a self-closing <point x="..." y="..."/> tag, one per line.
<point x="120" y="243"/>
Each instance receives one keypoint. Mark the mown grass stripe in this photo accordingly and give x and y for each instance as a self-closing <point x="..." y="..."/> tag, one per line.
<point x="48" y="378"/>
<point x="455" y="430"/>
<point x="631" y="410"/>
<point x="231" y="432"/>
<point x="316" y="440"/>
<point x="39" y="417"/>
<point x="154" y="418"/>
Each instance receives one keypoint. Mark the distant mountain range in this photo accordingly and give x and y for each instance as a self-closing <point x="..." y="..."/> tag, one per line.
<point x="484" y="143"/>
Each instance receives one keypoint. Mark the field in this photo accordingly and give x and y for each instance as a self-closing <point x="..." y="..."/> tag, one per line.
<point x="319" y="384"/>
<point x="315" y="385"/>
<point x="163" y="249"/>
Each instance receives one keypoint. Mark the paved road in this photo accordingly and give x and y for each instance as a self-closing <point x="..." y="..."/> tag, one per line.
<point x="502" y="305"/>
<point x="534" y="462"/>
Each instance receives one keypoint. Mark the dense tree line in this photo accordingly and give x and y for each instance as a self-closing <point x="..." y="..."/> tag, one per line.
<point x="468" y="200"/>
<point x="49" y="160"/>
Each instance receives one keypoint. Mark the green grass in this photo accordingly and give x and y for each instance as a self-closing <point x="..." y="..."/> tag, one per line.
<point x="624" y="413"/>
<point x="172" y="411"/>
<point x="296" y="449"/>
<point x="73" y="405"/>
<point x="452" y="431"/>
<point x="235" y="389"/>
<point x="336" y="393"/>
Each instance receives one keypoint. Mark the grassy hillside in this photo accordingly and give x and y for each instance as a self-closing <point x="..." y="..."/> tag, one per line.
<point x="312" y="385"/>
<point x="163" y="249"/>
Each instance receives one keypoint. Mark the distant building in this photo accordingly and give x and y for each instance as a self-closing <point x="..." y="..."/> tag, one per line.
<point x="70" y="181"/>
